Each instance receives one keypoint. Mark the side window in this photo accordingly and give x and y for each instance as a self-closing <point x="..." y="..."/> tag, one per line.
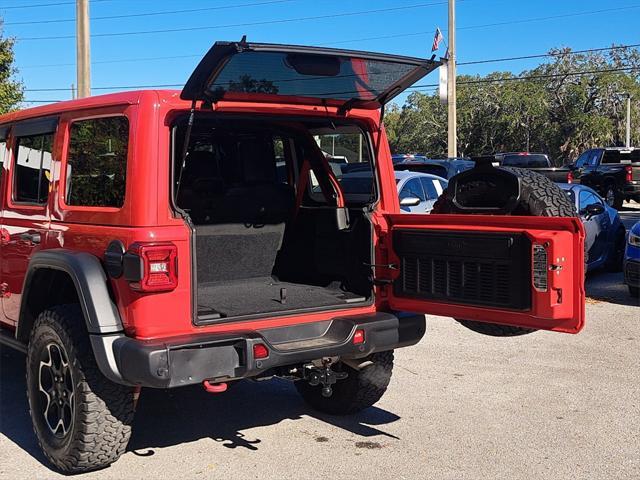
<point x="582" y="159"/>
<point x="593" y="158"/>
<point x="3" y="152"/>
<point x="97" y="162"/>
<point x="588" y="198"/>
<point x="281" y="161"/>
<point x="412" y="189"/>
<point x="431" y="187"/>
<point x="33" y="168"/>
<point x="347" y="152"/>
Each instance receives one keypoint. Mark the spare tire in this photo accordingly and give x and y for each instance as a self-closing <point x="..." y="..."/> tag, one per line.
<point x="539" y="196"/>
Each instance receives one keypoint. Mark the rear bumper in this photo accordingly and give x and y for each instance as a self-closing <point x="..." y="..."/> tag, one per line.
<point x="632" y="272"/>
<point x="631" y="189"/>
<point x="179" y="361"/>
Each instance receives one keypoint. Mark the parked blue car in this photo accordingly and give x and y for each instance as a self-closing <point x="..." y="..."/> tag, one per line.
<point x="632" y="261"/>
<point x="419" y="191"/>
<point x="605" y="233"/>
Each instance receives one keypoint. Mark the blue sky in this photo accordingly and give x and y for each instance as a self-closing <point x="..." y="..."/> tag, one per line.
<point x="133" y="59"/>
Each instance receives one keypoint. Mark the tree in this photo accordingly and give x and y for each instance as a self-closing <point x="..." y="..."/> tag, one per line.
<point x="556" y="112"/>
<point x="11" y="90"/>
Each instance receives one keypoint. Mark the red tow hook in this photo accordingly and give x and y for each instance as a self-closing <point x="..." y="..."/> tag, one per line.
<point x="214" y="387"/>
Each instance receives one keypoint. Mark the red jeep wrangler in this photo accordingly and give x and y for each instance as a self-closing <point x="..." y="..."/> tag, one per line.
<point x="249" y="227"/>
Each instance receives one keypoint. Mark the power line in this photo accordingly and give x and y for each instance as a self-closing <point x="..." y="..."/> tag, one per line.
<point x="530" y="77"/>
<point x="123" y="60"/>
<point x="495" y="24"/>
<point x="118" y="87"/>
<point x="150" y="14"/>
<point x="337" y="15"/>
<point x="245" y="24"/>
<point x="492" y="80"/>
<point x="475" y="62"/>
<point x="37" y="5"/>
<point x="555" y="54"/>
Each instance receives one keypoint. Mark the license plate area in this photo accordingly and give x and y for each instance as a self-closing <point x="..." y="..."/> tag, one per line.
<point x="484" y="269"/>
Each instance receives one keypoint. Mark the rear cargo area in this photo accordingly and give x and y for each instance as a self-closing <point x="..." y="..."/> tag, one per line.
<point x="260" y="246"/>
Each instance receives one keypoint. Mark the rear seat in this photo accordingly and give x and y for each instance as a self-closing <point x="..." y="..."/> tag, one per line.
<point x="245" y="222"/>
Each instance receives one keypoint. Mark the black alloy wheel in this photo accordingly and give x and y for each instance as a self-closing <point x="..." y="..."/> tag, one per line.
<point x="56" y="402"/>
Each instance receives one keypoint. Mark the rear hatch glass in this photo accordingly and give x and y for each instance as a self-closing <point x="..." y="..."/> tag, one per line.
<point x="621" y="156"/>
<point x="528" y="161"/>
<point x="291" y="74"/>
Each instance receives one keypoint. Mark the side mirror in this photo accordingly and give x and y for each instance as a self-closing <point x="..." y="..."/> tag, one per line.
<point x="592" y="210"/>
<point x="409" y="202"/>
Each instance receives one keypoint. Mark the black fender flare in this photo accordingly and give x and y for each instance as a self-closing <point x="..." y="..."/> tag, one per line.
<point x="90" y="280"/>
<point x="104" y="325"/>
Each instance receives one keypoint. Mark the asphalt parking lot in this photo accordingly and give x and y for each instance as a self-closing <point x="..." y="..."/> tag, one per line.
<point x="460" y="405"/>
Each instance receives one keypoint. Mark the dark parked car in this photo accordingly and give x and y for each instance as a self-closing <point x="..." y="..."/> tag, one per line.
<point x="538" y="162"/>
<point x="612" y="172"/>
<point x="445" y="167"/>
<point x="605" y="233"/>
<point x="406" y="157"/>
<point x="632" y="261"/>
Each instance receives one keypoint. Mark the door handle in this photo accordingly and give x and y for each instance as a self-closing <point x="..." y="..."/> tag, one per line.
<point x="33" y="237"/>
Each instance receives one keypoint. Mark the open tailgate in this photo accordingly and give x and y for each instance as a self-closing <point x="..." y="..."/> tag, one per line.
<point x="522" y="271"/>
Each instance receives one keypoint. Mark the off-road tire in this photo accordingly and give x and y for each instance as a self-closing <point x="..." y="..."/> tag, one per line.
<point x="539" y="196"/>
<point x="616" y="257"/>
<point x="360" y="390"/>
<point x="102" y="410"/>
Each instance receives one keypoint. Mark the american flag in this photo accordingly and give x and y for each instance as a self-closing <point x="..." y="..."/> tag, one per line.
<point x="437" y="38"/>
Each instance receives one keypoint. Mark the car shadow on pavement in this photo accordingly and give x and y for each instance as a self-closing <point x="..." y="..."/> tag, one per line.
<point x="170" y="417"/>
<point x="15" y="423"/>
<point x="607" y="287"/>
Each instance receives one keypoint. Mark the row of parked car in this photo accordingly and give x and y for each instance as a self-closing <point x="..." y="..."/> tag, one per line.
<point x="596" y="183"/>
<point x="612" y="172"/>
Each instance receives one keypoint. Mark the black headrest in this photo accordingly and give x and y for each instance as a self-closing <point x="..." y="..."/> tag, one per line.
<point x="201" y="164"/>
<point x="258" y="161"/>
<point x="257" y="204"/>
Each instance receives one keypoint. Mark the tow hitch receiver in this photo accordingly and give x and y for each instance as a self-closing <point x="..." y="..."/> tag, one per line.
<point x="322" y="375"/>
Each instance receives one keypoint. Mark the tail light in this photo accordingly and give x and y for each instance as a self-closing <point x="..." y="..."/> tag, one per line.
<point x="151" y="267"/>
<point x="260" y="351"/>
<point x="358" y="337"/>
<point x="629" y="171"/>
<point x="570" y="177"/>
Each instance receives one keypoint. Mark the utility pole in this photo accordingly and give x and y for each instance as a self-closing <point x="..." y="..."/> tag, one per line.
<point x="452" y="149"/>
<point x="627" y="142"/>
<point x="83" y="56"/>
